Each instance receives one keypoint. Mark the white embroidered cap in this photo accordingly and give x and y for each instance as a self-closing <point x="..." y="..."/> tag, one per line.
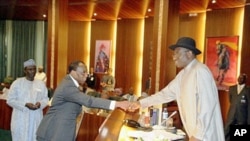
<point x="28" y="63"/>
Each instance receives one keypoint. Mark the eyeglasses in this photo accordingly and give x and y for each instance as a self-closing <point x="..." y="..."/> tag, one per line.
<point x="81" y="70"/>
<point x="82" y="73"/>
<point x="178" y="52"/>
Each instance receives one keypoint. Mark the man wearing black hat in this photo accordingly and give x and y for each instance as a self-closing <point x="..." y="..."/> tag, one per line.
<point x="196" y="94"/>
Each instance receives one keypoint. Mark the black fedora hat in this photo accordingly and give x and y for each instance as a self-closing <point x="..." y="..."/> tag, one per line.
<point x="188" y="43"/>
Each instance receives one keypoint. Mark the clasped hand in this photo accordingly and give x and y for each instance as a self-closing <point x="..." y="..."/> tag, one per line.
<point x="103" y="84"/>
<point x="32" y="106"/>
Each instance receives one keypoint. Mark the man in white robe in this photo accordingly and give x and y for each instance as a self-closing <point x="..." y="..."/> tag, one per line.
<point x="196" y="93"/>
<point x="41" y="75"/>
<point x="27" y="96"/>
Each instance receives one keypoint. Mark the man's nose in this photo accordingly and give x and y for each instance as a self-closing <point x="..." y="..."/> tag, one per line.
<point x="174" y="57"/>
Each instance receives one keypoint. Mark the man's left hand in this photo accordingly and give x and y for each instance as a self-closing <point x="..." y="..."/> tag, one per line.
<point x="38" y="105"/>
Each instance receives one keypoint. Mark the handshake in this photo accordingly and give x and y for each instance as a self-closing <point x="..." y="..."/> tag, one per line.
<point x="128" y="106"/>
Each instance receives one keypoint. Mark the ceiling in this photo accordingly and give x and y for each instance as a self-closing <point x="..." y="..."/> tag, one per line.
<point x="83" y="10"/>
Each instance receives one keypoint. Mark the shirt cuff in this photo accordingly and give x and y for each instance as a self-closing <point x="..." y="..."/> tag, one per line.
<point x="112" y="105"/>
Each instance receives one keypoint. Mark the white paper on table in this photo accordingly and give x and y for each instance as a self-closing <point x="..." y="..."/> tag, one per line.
<point x="154" y="135"/>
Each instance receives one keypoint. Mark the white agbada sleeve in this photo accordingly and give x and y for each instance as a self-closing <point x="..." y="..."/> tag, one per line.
<point x="13" y="97"/>
<point x="207" y="98"/>
<point x="166" y="95"/>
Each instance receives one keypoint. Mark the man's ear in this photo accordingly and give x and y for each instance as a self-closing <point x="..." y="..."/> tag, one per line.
<point x="190" y="54"/>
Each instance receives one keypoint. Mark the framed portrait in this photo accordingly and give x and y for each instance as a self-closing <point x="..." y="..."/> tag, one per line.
<point x="102" y="55"/>
<point x="221" y="57"/>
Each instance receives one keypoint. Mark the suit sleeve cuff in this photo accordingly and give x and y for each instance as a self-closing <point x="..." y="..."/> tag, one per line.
<point x="112" y="105"/>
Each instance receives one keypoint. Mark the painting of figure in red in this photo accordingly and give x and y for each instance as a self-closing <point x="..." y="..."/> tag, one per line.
<point x="221" y="58"/>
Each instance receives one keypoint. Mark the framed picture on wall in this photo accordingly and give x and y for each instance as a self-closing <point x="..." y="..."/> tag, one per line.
<point x="102" y="55"/>
<point x="221" y="57"/>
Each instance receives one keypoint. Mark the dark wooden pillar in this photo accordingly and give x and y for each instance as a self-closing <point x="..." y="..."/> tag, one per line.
<point x="245" y="43"/>
<point x="165" y="33"/>
<point x="57" y="41"/>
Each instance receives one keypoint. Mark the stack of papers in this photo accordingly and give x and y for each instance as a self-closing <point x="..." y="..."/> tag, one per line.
<point x="155" y="135"/>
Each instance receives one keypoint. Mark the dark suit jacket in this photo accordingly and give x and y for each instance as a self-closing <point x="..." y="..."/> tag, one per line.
<point x="91" y="81"/>
<point x="239" y="110"/>
<point x="59" y="123"/>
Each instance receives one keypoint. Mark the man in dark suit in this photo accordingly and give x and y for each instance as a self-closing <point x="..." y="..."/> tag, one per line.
<point x="91" y="79"/>
<point x="239" y="111"/>
<point x="59" y="123"/>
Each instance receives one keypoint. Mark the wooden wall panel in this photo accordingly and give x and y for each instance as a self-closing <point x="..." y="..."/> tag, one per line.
<point x="128" y="54"/>
<point x="224" y="104"/>
<point x="147" y="51"/>
<point x="168" y="19"/>
<point x="50" y="76"/>
<point x="226" y="22"/>
<point x="78" y="41"/>
<point x="121" y="55"/>
<point x="194" y="27"/>
<point x="61" y="27"/>
<point x="171" y="33"/>
<point x="245" y="44"/>
<point x="159" y="43"/>
<point x="101" y="30"/>
<point x="57" y="41"/>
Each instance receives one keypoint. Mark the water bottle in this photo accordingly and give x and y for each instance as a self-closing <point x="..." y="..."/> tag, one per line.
<point x="164" y="114"/>
<point x="142" y="119"/>
<point x="147" y="119"/>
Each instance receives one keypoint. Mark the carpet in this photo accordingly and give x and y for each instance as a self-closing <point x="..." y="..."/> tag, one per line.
<point x="5" y="135"/>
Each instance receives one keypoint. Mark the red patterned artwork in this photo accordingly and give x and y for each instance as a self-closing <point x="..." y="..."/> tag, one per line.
<point x="221" y="58"/>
